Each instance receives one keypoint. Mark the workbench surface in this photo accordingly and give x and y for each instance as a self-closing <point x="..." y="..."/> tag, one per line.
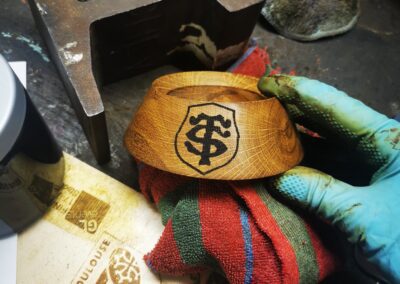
<point x="364" y="62"/>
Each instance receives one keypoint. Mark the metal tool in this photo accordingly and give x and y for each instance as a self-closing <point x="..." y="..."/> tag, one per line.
<point x="96" y="42"/>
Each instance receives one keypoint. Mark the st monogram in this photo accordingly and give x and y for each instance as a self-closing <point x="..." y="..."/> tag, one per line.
<point x="208" y="138"/>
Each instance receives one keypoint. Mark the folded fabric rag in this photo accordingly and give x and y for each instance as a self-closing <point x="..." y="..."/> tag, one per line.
<point x="237" y="228"/>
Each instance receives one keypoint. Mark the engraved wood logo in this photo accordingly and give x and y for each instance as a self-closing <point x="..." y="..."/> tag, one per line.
<point x="9" y="180"/>
<point x="87" y="212"/>
<point x="111" y="262"/>
<point x="208" y="138"/>
<point x="123" y="268"/>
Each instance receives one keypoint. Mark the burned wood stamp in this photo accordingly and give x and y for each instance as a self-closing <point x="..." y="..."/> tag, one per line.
<point x="208" y="131"/>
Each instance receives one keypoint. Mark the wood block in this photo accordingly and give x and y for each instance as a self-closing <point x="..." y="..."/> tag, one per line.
<point x="213" y="125"/>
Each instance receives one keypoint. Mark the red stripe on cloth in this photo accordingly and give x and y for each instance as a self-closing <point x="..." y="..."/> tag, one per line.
<point x="254" y="64"/>
<point x="155" y="184"/>
<point x="266" y="266"/>
<point x="327" y="261"/>
<point x="221" y="229"/>
<point x="165" y="257"/>
<point x="146" y="175"/>
<point x="266" y="222"/>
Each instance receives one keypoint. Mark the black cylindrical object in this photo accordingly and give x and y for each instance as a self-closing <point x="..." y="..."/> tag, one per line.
<point x="31" y="163"/>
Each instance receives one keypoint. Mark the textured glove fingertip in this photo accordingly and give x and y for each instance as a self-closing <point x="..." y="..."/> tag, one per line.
<point x="280" y="86"/>
<point x="292" y="187"/>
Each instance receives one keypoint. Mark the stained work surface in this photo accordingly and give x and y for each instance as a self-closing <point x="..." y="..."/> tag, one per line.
<point x="365" y="63"/>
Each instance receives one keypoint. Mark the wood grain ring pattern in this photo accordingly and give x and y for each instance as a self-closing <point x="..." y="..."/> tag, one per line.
<point x="213" y="125"/>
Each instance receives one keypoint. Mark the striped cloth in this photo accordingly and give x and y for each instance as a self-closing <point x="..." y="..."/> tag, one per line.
<point x="237" y="228"/>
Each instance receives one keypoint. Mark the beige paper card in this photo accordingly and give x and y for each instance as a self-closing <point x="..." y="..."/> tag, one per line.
<point x="96" y="232"/>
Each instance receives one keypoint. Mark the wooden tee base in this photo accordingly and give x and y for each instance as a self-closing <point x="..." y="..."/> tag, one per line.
<point x="213" y="125"/>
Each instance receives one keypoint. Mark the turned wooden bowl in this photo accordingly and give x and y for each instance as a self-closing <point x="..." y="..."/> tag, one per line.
<point x="213" y="125"/>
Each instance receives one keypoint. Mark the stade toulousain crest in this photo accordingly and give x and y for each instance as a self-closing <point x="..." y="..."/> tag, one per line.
<point x="208" y="138"/>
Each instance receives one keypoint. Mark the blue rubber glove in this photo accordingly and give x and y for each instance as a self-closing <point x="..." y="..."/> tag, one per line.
<point x="368" y="215"/>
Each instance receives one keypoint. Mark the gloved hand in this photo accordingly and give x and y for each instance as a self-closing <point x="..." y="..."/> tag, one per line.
<point x="367" y="215"/>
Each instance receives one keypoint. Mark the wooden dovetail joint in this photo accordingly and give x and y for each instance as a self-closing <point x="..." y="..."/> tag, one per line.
<point x="213" y="125"/>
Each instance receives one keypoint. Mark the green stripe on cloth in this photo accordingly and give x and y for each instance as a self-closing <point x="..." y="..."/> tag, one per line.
<point x="168" y="203"/>
<point x="187" y="228"/>
<point x="294" y="228"/>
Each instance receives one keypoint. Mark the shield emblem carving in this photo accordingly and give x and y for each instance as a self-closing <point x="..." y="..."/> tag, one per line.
<point x="208" y="138"/>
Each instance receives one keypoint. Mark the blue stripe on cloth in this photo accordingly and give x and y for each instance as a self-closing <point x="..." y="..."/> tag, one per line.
<point x="244" y="220"/>
<point x="241" y="59"/>
<point x="250" y="49"/>
<point x="397" y="117"/>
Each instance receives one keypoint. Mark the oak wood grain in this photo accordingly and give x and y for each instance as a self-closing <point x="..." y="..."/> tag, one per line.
<point x="213" y="125"/>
